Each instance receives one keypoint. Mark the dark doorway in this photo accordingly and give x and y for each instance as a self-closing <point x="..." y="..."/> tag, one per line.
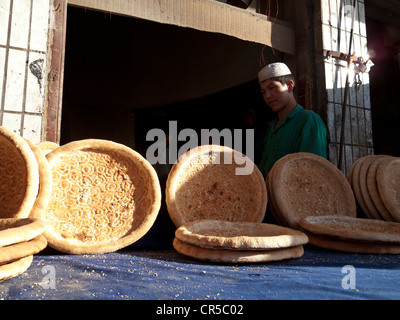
<point x="384" y="41"/>
<point x="125" y="76"/>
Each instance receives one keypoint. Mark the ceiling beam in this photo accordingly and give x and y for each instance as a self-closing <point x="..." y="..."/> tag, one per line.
<point x="204" y="15"/>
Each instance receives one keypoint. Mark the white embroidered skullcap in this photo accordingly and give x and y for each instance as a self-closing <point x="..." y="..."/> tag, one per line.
<point x="273" y="70"/>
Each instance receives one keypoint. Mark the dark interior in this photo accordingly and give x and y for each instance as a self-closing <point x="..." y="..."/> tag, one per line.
<point x="384" y="41"/>
<point x="125" y="76"/>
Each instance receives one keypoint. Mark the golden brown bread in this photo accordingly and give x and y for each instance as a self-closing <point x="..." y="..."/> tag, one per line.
<point x="22" y="249"/>
<point x="14" y="230"/>
<point x="15" y="268"/>
<point x="203" y="185"/>
<point x="355" y="229"/>
<point x="237" y="256"/>
<point x="239" y="235"/>
<point x="19" y="176"/>
<point x="388" y="181"/>
<point x="305" y="184"/>
<point x="105" y="197"/>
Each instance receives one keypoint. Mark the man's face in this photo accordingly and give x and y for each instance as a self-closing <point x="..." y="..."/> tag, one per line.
<point x="276" y="95"/>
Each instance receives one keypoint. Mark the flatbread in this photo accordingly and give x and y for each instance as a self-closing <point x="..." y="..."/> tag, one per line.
<point x="19" y="176"/>
<point x="355" y="229"/>
<point x="388" y="180"/>
<point x="239" y="235"/>
<point x="306" y="184"/>
<point x="364" y="168"/>
<point x="373" y="191"/>
<point x="273" y="207"/>
<point x="105" y="196"/>
<point x="203" y="185"/>
<point x="15" y="268"/>
<point x="47" y="146"/>
<point x="23" y="249"/>
<point x="236" y="256"/>
<point x="355" y="185"/>
<point x="19" y="230"/>
<point x="45" y="182"/>
<point x="353" y="246"/>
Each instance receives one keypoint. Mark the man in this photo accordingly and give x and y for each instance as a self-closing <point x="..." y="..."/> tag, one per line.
<point x="295" y="129"/>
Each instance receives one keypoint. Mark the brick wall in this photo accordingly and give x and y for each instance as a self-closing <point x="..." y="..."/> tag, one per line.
<point x="24" y="28"/>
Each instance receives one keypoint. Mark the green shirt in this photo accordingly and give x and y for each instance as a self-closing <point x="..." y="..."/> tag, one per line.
<point x="301" y="131"/>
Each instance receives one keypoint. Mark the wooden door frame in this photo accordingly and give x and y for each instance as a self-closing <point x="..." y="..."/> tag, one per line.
<point x="55" y="76"/>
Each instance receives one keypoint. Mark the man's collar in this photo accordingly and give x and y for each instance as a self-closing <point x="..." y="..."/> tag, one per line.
<point x="291" y="115"/>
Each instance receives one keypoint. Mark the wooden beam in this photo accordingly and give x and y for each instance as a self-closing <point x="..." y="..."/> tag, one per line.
<point x="55" y="75"/>
<point x="204" y="15"/>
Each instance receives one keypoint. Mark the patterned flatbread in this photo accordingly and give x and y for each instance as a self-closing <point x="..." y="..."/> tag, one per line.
<point x="306" y="184"/>
<point x="236" y="256"/>
<point x="19" y="176"/>
<point x="105" y="197"/>
<point x="208" y="183"/>
<point x="239" y="235"/>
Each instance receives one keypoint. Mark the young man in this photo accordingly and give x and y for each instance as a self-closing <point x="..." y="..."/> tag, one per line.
<point x="295" y="129"/>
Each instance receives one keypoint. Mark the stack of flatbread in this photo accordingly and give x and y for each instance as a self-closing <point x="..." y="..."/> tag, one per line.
<point x="304" y="184"/>
<point x="238" y="242"/>
<point x="375" y="180"/>
<point x="25" y="188"/>
<point x="356" y="235"/>
<point x="20" y="239"/>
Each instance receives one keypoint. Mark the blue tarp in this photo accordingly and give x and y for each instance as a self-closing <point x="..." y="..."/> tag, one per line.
<point x="164" y="274"/>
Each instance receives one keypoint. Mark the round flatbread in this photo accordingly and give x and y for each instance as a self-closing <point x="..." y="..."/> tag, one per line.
<point x="215" y="182"/>
<point x="373" y="188"/>
<point x="236" y="256"/>
<point x="354" y="177"/>
<point x="105" y="197"/>
<point x="19" y="176"/>
<point x="45" y="182"/>
<point x="355" y="168"/>
<point x="364" y="168"/>
<point x="19" y="230"/>
<point x="15" y="268"/>
<point x="388" y="180"/>
<point x="239" y="235"/>
<point x="306" y="184"/>
<point x="47" y="146"/>
<point x="354" y="229"/>
<point x="273" y="207"/>
<point x="23" y="249"/>
<point x="352" y="246"/>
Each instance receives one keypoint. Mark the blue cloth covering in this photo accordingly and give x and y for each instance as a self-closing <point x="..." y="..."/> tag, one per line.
<point x="164" y="274"/>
